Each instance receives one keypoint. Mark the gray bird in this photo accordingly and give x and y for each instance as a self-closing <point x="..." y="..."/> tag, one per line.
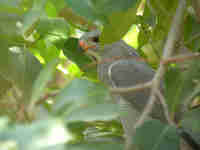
<point x="123" y="73"/>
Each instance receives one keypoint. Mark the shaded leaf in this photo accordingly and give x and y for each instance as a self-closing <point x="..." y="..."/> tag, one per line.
<point x="74" y="53"/>
<point x="181" y="85"/>
<point x="191" y="124"/>
<point x="154" y="135"/>
<point x="191" y="120"/>
<point x="81" y="93"/>
<point x="191" y="29"/>
<point x="43" y="78"/>
<point x="173" y="84"/>
<point x="53" y="26"/>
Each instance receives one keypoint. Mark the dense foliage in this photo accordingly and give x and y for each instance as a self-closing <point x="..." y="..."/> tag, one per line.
<point x="50" y="96"/>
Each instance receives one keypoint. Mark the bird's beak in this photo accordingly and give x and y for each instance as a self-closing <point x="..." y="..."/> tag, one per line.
<point x="85" y="46"/>
<point x="86" y="49"/>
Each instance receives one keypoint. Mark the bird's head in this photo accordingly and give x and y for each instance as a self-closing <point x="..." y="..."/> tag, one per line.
<point x="89" y="43"/>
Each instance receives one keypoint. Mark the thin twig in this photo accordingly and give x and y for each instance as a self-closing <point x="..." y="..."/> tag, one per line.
<point x="173" y="59"/>
<point x="180" y="58"/>
<point x="167" y="52"/>
<point x="138" y="87"/>
<point x="165" y="107"/>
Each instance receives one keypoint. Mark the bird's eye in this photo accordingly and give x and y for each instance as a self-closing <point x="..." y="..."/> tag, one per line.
<point x="95" y="39"/>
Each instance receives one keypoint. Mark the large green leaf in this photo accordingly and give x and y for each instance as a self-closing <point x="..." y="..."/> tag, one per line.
<point x="154" y="135"/>
<point x="85" y="9"/>
<point x="93" y="9"/>
<point x="94" y="113"/>
<point x="116" y="16"/>
<point x="191" y="124"/>
<point x="80" y="94"/>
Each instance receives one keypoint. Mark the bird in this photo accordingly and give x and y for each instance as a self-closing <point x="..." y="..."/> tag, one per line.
<point x="122" y="73"/>
<point x="125" y="72"/>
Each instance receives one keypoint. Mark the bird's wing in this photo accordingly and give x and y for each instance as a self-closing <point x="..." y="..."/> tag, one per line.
<point x="126" y="73"/>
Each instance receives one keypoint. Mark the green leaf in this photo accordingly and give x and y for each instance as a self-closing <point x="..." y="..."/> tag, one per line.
<point x="191" y="124"/>
<point x="32" y="17"/>
<point x="110" y="6"/>
<point x="153" y="28"/>
<point x="191" y="29"/>
<point x="51" y="10"/>
<point x="95" y="146"/>
<point x="191" y="120"/>
<point x="103" y="112"/>
<point x="85" y="9"/>
<point x="80" y="93"/>
<point x="75" y="54"/>
<point x="173" y="84"/>
<point x="53" y="26"/>
<point x="154" y="135"/>
<point x="118" y="25"/>
<point x="181" y="85"/>
<point x="48" y="51"/>
<point x="20" y="67"/>
<point x="94" y="9"/>
<point x="44" y="77"/>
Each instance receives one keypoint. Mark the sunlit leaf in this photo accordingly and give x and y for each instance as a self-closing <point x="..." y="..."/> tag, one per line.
<point x="118" y="25"/>
<point x="43" y="134"/>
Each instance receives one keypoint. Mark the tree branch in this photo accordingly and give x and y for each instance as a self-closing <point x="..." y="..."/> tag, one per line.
<point x="165" y="107"/>
<point x="167" y="52"/>
<point x="138" y="87"/>
<point x="180" y="58"/>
